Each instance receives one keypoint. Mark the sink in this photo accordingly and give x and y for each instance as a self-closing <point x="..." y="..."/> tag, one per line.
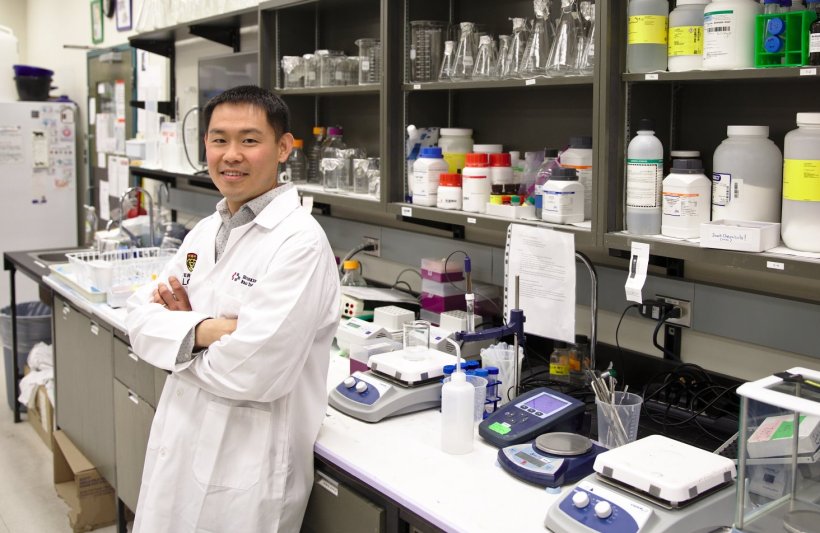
<point x="54" y="256"/>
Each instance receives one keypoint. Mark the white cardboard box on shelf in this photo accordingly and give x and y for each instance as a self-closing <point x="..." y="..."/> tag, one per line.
<point x="741" y="235"/>
<point x="511" y="211"/>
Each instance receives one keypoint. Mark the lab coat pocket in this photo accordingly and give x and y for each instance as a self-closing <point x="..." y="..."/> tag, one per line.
<point x="232" y="446"/>
<point x="228" y="306"/>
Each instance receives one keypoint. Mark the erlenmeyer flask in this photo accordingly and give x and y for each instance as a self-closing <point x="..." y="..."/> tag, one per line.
<point x="518" y="44"/>
<point x="465" y="53"/>
<point x="586" y="57"/>
<point x="538" y="47"/>
<point x="485" y="59"/>
<point x="447" y="61"/>
<point x="503" y="50"/>
<point x="564" y="53"/>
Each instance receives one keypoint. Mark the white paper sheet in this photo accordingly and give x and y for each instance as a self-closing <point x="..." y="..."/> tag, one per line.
<point x="544" y="261"/>
<point x="105" y="214"/>
<point x="636" y="277"/>
<point x="117" y="175"/>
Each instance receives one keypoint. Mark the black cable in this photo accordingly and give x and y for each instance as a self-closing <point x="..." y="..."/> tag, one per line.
<point x="409" y="288"/>
<point x="694" y="415"/>
<point x="618" y="344"/>
<point x="661" y="322"/>
<point x="492" y="302"/>
<point x="184" y="143"/>
<point x="416" y="272"/>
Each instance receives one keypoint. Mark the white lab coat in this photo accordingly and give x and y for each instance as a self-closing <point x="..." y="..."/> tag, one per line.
<point x="231" y="445"/>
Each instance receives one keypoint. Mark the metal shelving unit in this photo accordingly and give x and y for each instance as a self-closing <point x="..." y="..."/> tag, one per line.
<point x="497" y="84"/>
<point x="752" y="74"/>
<point x="337" y="91"/>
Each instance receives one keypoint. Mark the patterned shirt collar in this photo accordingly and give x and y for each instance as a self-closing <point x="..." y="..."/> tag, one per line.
<point x="252" y="208"/>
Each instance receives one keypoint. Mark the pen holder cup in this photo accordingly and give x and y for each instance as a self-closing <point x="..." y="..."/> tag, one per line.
<point x="618" y="422"/>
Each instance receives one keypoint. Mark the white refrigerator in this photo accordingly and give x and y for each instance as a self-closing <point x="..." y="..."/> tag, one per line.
<point x="38" y="183"/>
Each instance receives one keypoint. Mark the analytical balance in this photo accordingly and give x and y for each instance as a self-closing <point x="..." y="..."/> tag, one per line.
<point x="397" y="383"/>
<point x="652" y="485"/>
<point x="552" y="460"/>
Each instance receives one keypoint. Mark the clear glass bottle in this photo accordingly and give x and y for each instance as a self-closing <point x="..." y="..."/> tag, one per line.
<point x="543" y="176"/>
<point x="564" y="53"/>
<point x="296" y="165"/>
<point x="314" y="155"/>
<point x="447" y="61"/>
<point x="352" y="277"/>
<point x="503" y="51"/>
<point x="518" y="45"/>
<point x="586" y="55"/>
<point x="465" y="53"/>
<point x="559" y="362"/>
<point x="333" y="161"/>
<point x="541" y="38"/>
<point x="485" y="63"/>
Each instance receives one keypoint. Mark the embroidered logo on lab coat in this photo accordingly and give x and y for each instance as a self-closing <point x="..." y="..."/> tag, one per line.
<point x="190" y="262"/>
<point x="243" y="279"/>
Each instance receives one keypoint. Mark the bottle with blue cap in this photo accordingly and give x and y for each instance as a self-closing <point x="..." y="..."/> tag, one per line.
<point x="426" y="171"/>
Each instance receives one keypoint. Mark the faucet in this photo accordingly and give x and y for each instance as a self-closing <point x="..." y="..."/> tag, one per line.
<point x="150" y="210"/>
<point x="593" y="289"/>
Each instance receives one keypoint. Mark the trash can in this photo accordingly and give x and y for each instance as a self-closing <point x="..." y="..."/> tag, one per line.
<point x="33" y="326"/>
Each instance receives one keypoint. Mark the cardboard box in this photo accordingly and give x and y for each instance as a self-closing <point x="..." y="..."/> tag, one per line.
<point x="741" y="235"/>
<point x="89" y="497"/>
<point x="41" y="415"/>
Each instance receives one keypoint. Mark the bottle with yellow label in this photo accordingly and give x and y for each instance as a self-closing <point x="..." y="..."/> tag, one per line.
<point x="647" y="35"/>
<point x="800" y="224"/>
<point x="686" y="36"/>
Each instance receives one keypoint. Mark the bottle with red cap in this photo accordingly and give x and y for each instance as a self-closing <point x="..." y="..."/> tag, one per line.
<point x="449" y="191"/>
<point x="501" y="174"/>
<point x="475" y="184"/>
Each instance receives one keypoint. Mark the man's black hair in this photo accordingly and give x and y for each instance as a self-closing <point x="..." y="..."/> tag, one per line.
<point x="274" y="107"/>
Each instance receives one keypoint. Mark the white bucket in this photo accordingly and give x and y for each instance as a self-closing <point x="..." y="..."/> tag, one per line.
<point x="9" y="56"/>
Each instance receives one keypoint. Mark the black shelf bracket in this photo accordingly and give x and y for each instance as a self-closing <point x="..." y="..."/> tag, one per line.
<point x="161" y="47"/>
<point x="456" y="230"/>
<point x="227" y="35"/>
<point x="673" y="267"/>
<point x="163" y="107"/>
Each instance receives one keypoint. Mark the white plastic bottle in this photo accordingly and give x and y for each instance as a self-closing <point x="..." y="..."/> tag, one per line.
<point x="647" y="34"/>
<point x="457" y="410"/>
<point x="426" y="171"/>
<point x="729" y="33"/>
<point x="686" y="192"/>
<point x="563" y="198"/>
<point x="800" y="227"/>
<point x="746" y="176"/>
<point x="579" y="157"/>
<point x="644" y="181"/>
<point x="475" y="183"/>
<point x="686" y="35"/>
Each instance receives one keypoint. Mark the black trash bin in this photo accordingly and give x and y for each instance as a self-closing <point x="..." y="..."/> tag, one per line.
<point x="33" y="326"/>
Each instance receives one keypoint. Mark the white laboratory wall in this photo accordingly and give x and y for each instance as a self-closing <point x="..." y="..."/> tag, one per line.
<point x="13" y="16"/>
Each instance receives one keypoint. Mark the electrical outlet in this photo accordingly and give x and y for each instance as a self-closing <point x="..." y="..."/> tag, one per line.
<point x="685" y="306"/>
<point x="373" y="240"/>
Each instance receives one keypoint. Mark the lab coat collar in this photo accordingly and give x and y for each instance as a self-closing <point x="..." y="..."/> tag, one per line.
<point x="279" y="209"/>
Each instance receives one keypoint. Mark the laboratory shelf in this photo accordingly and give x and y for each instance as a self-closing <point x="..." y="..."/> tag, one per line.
<point x="750" y="74"/>
<point x="772" y="262"/>
<point x="172" y="177"/>
<point x="497" y="84"/>
<point x="340" y="91"/>
<point x="340" y="199"/>
<point x="222" y="29"/>
<point x="476" y="220"/>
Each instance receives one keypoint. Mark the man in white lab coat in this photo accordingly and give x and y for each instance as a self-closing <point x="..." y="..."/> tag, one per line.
<point x="244" y="323"/>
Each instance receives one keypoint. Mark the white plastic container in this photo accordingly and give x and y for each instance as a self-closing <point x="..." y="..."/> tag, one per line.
<point x="488" y="148"/>
<point x="686" y="192"/>
<point x="501" y="172"/>
<point x="800" y="227"/>
<point x="562" y="198"/>
<point x="475" y="183"/>
<point x="746" y="178"/>
<point x="457" y="406"/>
<point x="579" y="157"/>
<point x="728" y="34"/>
<point x="426" y="171"/>
<point x="455" y="143"/>
<point x="686" y="35"/>
<point x="9" y="56"/>
<point x="450" y="195"/>
<point x="647" y="34"/>
<point x="644" y="181"/>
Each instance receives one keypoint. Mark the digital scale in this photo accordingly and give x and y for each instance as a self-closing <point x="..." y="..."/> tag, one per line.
<point x="554" y="459"/>
<point x="533" y="413"/>
<point x="355" y="332"/>
<point x="652" y="485"/>
<point x="394" y="385"/>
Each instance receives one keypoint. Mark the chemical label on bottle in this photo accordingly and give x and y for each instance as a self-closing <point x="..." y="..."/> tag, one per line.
<point x="644" y="178"/>
<point x="339" y="75"/>
<point x="686" y="41"/>
<point x="365" y="65"/>
<point x="412" y="53"/>
<point x="801" y="180"/>
<point x="558" y="201"/>
<point x="677" y="204"/>
<point x="647" y="29"/>
<point x="717" y="34"/>
<point x="814" y="43"/>
<point x="559" y="369"/>
<point x="467" y="60"/>
<point x="585" y="177"/>
<point x="721" y="189"/>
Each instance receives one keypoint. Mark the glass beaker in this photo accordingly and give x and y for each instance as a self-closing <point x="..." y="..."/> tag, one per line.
<point x="540" y="42"/>
<point x="564" y="53"/>
<point x="447" y="61"/>
<point x="294" y="72"/>
<point x="503" y="51"/>
<point x="465" y="53"/>
<point x="426" y="48"/>
<point x="485" y="63"/>
<point x="586" y="57"/>
<point x="518" y="44"/>
<point x="370" y="64"/>
<point x="416" y="340"/>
